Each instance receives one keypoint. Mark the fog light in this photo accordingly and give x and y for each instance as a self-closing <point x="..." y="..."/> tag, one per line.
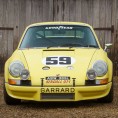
<point x="91" y="74"/>
<point x="24" y="74"/>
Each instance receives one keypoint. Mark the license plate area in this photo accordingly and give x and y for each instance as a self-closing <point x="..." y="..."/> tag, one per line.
<point x="58" y="78"/>
<point x="58" y="81"/>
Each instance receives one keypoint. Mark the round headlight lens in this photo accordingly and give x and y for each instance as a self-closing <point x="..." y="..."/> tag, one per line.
<point x="100" y="67"/>
<point x="24" y="74"/>
<point x="91" y="74"/>
<point x="16" y="68"/>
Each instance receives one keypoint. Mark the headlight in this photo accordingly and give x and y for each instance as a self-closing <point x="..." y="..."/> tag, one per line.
<point x="91" y="74"/>
<point x="24" y="74"/>
<point x="100" y="67"/>
<point x="16" y="68"/>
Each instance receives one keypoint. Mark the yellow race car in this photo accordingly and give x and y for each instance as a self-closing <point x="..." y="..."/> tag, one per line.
<point x="58" y="61"/>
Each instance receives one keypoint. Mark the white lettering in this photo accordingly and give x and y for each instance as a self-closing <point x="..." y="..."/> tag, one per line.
<point x="59" y="27"/>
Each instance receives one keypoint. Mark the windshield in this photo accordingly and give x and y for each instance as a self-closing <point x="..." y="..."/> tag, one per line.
<point x="59" y="36"/>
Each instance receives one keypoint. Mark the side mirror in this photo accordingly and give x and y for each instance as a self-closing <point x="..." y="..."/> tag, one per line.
<point x="107" y="47"/>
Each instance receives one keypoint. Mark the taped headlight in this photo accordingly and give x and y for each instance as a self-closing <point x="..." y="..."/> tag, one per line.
<point x="100" y="67"/>
<point x="16" y="68"/>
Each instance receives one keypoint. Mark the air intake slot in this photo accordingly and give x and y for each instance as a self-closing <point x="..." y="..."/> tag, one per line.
<point x="57" y="96"/>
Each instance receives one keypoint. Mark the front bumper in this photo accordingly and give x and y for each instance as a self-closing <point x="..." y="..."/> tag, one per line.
<point x="78" y="93"/>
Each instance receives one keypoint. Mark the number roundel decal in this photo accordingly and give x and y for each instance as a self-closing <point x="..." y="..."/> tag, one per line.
<point x="58" y="61"/>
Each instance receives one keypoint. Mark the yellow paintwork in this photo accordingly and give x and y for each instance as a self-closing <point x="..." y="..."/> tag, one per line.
<point x="32" y="60"/>
<point x="81" y="93"/>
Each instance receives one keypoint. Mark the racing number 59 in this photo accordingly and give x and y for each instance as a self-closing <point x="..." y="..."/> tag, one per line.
<point x="58" y="60"/>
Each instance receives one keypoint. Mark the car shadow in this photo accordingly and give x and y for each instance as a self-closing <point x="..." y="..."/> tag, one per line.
<point x="54" y="105"/>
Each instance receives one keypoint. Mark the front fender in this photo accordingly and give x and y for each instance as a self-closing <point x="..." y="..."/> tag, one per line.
<point x="102" y="55"/>
<point x="17" y="55"/>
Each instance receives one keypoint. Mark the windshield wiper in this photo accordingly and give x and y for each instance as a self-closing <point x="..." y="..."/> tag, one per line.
<point x="70" y="45"/>
<point x="65" y="45"/>
<point x="93" y="46"/>
<point x="52" y="46"/>
<point x="78" y="45"/>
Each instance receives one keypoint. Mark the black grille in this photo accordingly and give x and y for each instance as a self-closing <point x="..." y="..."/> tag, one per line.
<point x="57" y="95"/>
<point x="25" y="83"/>
<point x="90" y="82"/>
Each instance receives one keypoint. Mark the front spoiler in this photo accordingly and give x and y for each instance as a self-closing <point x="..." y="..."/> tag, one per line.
<point x="80" y="92"/>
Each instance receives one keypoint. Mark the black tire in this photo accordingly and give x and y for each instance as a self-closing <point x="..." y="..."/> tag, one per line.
<point x="9" y="100"/>
<point x="109" y="97"/>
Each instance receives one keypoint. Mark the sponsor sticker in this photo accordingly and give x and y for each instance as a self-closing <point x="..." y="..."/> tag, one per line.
<point x="59" y="27"/>
<point x="57" y="90"/>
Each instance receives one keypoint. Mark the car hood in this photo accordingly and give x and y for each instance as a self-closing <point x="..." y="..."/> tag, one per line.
<point x="44" y="63"/>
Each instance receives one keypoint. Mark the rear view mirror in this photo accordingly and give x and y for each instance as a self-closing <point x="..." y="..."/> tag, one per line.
<point x="107" y="47"/>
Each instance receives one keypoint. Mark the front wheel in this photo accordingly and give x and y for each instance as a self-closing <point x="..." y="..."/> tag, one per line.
<point x="109" y="97"/>
<point x="9" y="100"/>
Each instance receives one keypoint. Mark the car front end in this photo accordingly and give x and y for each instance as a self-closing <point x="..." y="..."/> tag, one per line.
<point x="58" y="62"/>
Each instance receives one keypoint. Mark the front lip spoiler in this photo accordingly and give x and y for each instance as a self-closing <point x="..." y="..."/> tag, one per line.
<point x="81" y="93"/>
